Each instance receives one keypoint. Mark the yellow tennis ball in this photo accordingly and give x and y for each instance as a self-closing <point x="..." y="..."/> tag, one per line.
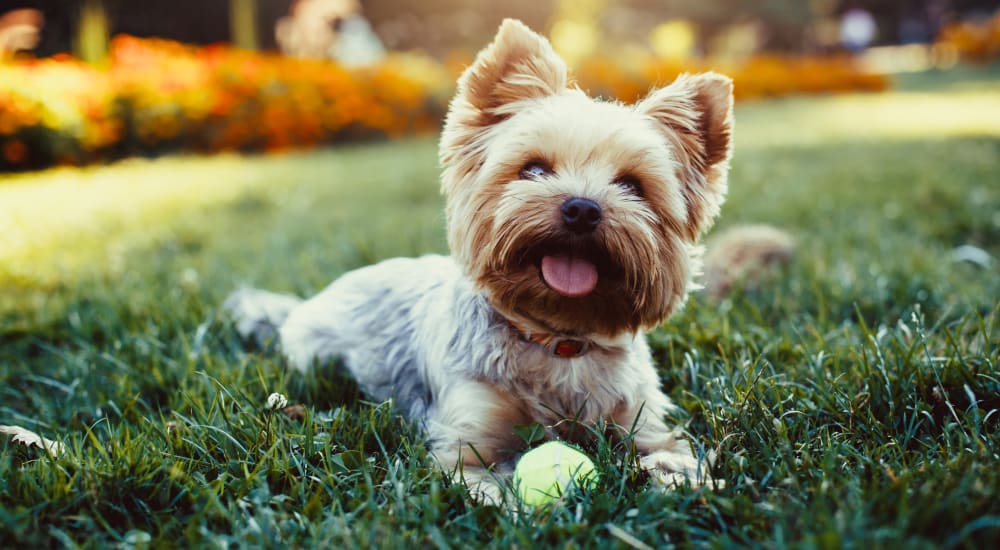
<point x="547" y="472"/>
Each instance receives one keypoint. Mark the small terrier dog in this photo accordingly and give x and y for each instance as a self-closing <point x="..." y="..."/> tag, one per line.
<point x="573" y="225"/>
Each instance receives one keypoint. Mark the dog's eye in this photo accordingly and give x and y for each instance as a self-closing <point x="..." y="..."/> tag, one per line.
<point x="630" y="184"/>
<point x="534" y="170"/>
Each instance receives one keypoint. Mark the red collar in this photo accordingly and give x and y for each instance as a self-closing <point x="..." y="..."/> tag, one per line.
<point x="567" y="348"/>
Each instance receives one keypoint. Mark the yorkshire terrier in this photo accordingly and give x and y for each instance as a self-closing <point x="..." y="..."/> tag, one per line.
<point x="573" y="225"/>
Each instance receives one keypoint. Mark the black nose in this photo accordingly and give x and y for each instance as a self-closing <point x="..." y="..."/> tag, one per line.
<point x="580" y="215"/>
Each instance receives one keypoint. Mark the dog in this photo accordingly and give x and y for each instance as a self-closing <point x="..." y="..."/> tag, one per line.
<point x="573" y="225"/>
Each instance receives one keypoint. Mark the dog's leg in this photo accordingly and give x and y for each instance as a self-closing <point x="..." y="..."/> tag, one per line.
<point x="259" y="313"/>
<point x="666" y="454"/>
<point x="471" y="432"/>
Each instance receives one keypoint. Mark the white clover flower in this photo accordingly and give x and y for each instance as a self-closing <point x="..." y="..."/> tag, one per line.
<point x="189" y="279"/>
<point x="276" y="401"/>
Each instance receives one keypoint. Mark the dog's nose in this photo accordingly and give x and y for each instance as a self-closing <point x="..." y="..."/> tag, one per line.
<point x="580" y="215"/>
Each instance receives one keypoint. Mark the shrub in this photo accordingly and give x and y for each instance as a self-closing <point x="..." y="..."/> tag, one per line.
<point x="979" y="42"/>
<point x="759" y="76"/>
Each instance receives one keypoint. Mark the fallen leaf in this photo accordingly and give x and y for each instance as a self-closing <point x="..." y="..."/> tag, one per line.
<point x="30" y="438"/>
<point x="295" y="412"/>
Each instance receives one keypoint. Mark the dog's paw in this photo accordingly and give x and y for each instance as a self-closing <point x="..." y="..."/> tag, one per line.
<point x="487" y="493"/>
<point x="484" y="487"/>
<point x="670" y="469"/>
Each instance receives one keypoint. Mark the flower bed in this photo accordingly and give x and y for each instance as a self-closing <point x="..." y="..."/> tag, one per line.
<point x="157" y="96"/>
<point x="760" y="76"/>
<point x="978" y="42"/>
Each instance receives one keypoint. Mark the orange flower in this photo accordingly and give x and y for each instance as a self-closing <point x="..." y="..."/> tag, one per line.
<point x="975" y="42"/>
<point x="15" y="152"/>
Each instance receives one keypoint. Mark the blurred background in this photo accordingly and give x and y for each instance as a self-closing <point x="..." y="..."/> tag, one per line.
<point x="440" y="27"/>
<point x="85" y="81"/>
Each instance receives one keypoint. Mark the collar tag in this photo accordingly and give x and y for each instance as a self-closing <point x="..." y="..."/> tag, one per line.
<point x="570" y="348"/>
<point x="567" y="348"/>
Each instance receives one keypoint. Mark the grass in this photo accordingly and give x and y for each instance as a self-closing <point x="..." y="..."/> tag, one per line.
<point x="856" y="402"/>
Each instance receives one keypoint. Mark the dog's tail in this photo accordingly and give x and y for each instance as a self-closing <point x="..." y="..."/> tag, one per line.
<point x="259" y="313"/>
<point x="745" y="256"/>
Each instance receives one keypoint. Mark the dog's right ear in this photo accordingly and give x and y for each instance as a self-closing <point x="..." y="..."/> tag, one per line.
<point x="518" y="65"/>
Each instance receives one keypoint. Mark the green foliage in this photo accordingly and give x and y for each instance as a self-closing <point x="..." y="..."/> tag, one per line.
<point x="852" y="403"/>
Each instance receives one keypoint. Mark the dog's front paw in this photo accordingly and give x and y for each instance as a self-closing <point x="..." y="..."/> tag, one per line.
<point x="674" y="468"/>
<point x="487" y="492"/>
<point x="484" y="487"/>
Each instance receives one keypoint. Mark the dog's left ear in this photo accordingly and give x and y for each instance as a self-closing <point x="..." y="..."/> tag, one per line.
<point x="695" y="114"/>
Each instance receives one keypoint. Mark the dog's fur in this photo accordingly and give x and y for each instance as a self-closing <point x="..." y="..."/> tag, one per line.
<point x="468" y="345"/>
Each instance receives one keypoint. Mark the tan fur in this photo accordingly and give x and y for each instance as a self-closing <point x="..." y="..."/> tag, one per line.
<point x="513" y="107"/>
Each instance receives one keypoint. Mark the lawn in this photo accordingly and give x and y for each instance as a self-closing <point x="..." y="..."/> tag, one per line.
<point x="854" y="402"/>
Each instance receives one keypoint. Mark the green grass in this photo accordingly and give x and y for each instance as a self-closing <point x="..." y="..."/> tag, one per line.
<point x="856" y="402"/>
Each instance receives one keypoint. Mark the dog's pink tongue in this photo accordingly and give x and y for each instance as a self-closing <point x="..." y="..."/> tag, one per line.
<point x="568" y="275"/>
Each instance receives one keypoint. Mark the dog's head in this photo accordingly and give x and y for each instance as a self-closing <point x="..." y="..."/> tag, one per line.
<point x="580" y="215"/>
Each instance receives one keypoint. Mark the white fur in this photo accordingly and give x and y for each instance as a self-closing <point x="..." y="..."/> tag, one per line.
<point x="416" y="331"/>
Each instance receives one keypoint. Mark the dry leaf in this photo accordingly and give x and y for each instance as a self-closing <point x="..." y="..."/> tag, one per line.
<point x="29" y="438"/>
<point x="295" y="412"/>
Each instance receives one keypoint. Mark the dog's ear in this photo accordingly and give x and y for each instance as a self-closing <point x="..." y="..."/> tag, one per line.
<point x="518" y="65"/>
<point x="695" y="113"/>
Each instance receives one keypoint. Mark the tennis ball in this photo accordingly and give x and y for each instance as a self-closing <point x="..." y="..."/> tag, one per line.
<point x="546" y="472"/>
